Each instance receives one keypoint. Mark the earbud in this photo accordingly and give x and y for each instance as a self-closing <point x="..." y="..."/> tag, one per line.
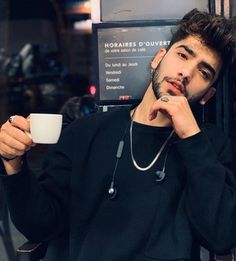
<point x="112" y="192"/>
<point x="160" y="175"/>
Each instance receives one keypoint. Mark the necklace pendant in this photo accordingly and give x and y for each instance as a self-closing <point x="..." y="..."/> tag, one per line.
<point x="160" y="175"/>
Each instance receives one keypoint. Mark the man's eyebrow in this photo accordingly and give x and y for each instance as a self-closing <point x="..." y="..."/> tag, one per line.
<point x="187" y="49"/>
<point x="204" y="64"/>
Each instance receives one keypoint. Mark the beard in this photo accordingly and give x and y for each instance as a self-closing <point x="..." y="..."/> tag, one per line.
<point x="156" y="88"/>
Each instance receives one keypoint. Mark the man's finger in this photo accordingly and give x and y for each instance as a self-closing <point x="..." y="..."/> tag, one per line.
<point x="19" y="122"/>
<point x="160" y="104"/>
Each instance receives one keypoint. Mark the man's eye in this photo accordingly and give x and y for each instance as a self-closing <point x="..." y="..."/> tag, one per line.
<point x="206" y="75"/>
<point x="182" y="55"/>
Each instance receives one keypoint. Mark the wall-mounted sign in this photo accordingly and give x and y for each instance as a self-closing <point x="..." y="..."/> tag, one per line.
<point x="123" y="55"/>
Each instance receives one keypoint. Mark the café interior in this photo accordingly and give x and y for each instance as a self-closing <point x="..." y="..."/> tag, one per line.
<point x="52" y="50"/>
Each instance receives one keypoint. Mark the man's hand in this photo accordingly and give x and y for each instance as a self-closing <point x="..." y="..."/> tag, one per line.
<point x="14" y="142"/>
<point x="177" y="109"/>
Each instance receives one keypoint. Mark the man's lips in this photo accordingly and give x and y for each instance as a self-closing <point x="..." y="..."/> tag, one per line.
<point x="176" y="87"/>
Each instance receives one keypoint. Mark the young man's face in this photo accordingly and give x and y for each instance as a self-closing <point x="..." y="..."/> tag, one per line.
<point x="188" y="69"/>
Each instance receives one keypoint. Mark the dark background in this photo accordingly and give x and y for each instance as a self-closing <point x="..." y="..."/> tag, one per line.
<point x="60" y="61"/>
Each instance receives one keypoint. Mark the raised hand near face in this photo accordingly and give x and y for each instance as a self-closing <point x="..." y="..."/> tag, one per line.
<point x="177" y="109"/>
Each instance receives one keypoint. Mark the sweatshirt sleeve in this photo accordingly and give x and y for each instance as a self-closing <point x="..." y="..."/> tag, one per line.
<point x="211" y="188"/>
<point x="39" y="206"/>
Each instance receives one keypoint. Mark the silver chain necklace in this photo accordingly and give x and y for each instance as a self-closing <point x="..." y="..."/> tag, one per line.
<point x="157" y="155"/>
<point x="160" y="174"/>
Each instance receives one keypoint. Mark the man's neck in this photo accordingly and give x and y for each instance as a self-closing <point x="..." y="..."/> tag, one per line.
<point x="143" y="109"/>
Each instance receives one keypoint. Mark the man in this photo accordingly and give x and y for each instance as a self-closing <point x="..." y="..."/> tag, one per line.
<point x="145" y="184"/>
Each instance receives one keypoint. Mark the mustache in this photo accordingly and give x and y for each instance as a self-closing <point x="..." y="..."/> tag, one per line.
<point x="177" y="79"/>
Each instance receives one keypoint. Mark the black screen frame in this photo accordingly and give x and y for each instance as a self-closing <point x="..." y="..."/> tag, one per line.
<point x="122" y="24"/>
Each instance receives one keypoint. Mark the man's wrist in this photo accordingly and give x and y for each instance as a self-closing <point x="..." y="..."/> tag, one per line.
<point x="7" y="159"/>
<point x="12" y="165"/>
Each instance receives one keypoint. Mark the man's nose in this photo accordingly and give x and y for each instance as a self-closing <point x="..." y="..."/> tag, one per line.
<point x="186" y="73"/>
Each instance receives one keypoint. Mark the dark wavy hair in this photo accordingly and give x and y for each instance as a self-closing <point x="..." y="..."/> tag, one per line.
<point x="215" y="31"/>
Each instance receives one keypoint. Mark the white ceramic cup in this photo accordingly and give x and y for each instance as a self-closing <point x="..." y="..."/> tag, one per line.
<point x="45" y="128"/>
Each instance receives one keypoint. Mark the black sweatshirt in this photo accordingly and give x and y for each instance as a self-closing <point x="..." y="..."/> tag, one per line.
<point x="148" y="220"/>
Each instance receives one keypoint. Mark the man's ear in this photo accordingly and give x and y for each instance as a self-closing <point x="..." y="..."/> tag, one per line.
<point x="158" y="57"/>
<point x="207" y="96"/>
